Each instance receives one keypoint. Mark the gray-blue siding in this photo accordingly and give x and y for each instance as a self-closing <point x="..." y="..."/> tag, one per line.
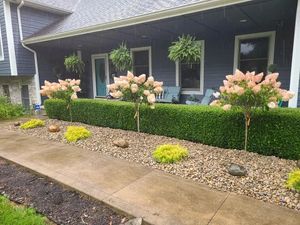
<point x="32" y="21"/>
<point x="219" y="57"/>
<point x="218" y="60"/>
<point x="4" y="65"/>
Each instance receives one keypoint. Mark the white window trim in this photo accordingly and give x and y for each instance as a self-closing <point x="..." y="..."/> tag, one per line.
<point x="147" y="48"/>
<point x="1" y="49"/>
<point x="238" y="38"/>
<point x="190" y="92"/>
<point x="93" y="58"/>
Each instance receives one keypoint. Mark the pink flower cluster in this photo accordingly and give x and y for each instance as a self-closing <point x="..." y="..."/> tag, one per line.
<point x="69" y="85"/>
<point x="137" y="88"/>
<point x="239" y="84"/>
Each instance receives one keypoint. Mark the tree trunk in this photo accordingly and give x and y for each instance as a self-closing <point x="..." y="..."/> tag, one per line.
<point x="137" y="115"/>
<point x="247" y="124"/>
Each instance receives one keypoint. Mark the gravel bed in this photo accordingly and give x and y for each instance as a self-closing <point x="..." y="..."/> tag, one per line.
<point x="205" y="164"/>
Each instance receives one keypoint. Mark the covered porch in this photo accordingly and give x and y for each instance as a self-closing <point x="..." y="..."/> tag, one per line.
<point x="248" y="36"/>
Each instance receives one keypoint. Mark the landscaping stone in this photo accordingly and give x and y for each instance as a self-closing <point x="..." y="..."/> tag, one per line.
<point x="53" y="128"/>
<point x="206" y="164"/>
<point x="298" y="163"/>
<point x="121" y="143"/>
<point x="136" y="221"/>
<point x="17" y="124"/>
<point x="237" y="170"/>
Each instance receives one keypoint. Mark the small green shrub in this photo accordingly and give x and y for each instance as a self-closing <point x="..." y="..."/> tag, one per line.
<point x="9" y="110"/>
<point x="11" y="214"/>
<point x="293" y="181"/>
<point x="169" y="153"/>
<point x="271" y="133"/>
<point x="75" y="133"/>
<point x="32" y="124"/>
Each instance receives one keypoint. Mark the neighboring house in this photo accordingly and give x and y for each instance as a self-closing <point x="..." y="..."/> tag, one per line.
<point x="36" y="35"/>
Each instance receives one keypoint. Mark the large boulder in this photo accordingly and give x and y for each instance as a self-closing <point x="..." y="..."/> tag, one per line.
<point x="237" y="170"/>
<point x="121" y="143"/>
<point x="53" y="128"/>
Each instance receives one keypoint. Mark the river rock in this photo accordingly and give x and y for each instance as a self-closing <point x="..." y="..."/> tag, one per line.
<point x="121" y="143"/>
<point x="237" y="170"/>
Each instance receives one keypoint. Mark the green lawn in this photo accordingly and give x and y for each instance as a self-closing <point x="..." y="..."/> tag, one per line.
<point x="12" y="214"/>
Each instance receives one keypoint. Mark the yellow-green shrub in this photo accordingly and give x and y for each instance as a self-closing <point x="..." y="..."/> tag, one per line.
<point x="75" y="133"/>
<point x="169" y="153"/>
<point x="293" y="181"/>
<point x="33" y="124"/>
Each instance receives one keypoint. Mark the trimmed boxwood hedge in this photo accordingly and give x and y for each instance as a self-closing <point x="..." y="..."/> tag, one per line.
<point x="276" y="132"/>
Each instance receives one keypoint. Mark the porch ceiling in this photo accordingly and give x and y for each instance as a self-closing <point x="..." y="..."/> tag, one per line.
<point x="257" y="14"/>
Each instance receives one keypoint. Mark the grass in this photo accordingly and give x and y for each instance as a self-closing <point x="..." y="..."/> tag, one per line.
<point x="12" y="214"/>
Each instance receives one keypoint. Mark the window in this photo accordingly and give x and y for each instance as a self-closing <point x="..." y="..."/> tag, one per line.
<point x="190" y="77"/>
<point x="141" y="61"/>
<point x="254" y="52"/>
<point x="1" y="47"/>
<point x="6" y="93"/>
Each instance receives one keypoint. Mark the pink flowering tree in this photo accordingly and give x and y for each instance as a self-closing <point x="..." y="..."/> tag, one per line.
<point x="136" y="89"/>
<point x="64" y="89"/>
<point x="250" y="91"/>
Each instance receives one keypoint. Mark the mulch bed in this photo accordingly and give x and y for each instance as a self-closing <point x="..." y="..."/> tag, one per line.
<point x="57" y="203"/>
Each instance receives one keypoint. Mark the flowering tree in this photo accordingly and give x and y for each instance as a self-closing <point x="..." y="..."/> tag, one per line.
<point x="249" y="91"/>
<point x="64" y="89"/>
<point x="136" y="89"/>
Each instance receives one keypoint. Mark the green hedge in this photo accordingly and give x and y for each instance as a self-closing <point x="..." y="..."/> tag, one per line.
<point x="276" y="132"/>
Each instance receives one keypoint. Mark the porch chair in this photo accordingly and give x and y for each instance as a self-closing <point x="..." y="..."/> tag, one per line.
<point x="207" y="97"/>
<point x="169" y="95"/>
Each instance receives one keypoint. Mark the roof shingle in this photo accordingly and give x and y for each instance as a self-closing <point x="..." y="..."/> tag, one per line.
<point x="88" y="13"/>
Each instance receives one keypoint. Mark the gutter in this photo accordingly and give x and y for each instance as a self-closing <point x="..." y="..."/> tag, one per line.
<point x="43" y="7"/>
<point x="36" y="76"/>
<point x="164" y="14"/>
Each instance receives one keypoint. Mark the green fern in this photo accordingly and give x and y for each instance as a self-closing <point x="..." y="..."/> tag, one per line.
<point x="121" y="58"/>
<point x="186" y="50"/>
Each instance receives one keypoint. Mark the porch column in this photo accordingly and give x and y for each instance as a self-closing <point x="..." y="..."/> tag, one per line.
<point x="295" y="71"/>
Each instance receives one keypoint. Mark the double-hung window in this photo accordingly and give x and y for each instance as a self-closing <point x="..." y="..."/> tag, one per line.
<point x="141" y="61"/>
<point x="254" y="52"/>
<point x="190" y="77"/>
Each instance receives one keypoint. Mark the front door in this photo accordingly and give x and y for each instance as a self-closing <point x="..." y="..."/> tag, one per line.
<point x="100" y="74"/>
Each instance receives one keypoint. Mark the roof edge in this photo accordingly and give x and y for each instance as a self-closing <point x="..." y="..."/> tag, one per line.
<point x="192" y="8"/>
<point x="43" y="7"/>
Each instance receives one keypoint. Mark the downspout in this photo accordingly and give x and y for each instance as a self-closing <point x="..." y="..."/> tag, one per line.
<point x="36" y="76"/>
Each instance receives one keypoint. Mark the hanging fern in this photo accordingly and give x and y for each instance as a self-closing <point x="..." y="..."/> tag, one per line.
<point x="186" y="50"/>
<point x="121" y="58"/>
<point x="74" y="64"/>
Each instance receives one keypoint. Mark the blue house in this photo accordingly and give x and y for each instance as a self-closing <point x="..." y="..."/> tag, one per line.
<point x="36" y="36"/>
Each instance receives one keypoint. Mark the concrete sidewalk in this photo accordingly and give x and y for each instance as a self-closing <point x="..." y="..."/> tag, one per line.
<point x="159" y="198"/>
